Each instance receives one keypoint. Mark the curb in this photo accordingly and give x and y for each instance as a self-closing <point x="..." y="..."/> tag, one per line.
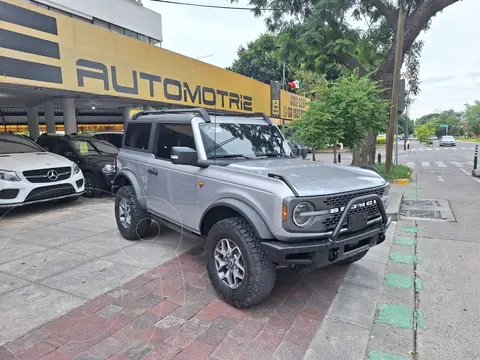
<point x="397" y="192"/>
<point x="400" y="181"/>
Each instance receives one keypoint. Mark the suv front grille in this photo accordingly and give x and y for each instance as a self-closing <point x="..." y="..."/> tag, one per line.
<point x="49" y="192"/>
<point x="42" y="175"/>
<point x="335" y="202"/>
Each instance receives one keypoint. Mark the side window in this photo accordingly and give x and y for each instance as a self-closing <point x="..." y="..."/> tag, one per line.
<point x="170" y="135"/>
<point x="138" y="135"/>
<point x="62" y="147"/>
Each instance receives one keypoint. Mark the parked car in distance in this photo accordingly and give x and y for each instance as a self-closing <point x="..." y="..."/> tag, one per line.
<point x="447" y="140"/>
<point x="113" y="137"/>
<point x="29" y="174"/>
<point x="432" y="138"/>
<point x="232" y="181"/>
<point x="94" y="156"/>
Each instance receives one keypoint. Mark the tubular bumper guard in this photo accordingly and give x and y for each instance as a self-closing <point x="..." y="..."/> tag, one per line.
<point x="324" y="251"/>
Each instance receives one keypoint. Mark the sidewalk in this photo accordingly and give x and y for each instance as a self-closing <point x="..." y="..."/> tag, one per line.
<point x="173" y="312"/>
<point x="416" y="295"/>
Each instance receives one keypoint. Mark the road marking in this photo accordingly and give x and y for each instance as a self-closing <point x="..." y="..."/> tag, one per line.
<point x="457" y="164"/>
<point x="410" y="164"/>
<point x="425" y="164"/>
<point x="454" y="149"/>
<point x="400" y="316"/>
<point x="401" y="240"/>
<point x="429" y="149"/>
<point x="441" y="179"/>
<point x="404" y="258"/>
<point x="398" y="281"/>
<point x="421" y="149"/>
<point x="409" y="229"/>
<point x="464" y="148"/>
<point x="470" y="163"/>
<point x="472" y="148"/>
<point x="440" y="164"/>
<point x="437" y="149"/>
<point x="375" y="355"/>
<point x="470" y="175"/>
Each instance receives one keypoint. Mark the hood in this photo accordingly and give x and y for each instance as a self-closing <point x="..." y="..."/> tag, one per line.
<point x="310" y="178"/>
<point x="98" y="159"/>
<point x="32" y="161"/>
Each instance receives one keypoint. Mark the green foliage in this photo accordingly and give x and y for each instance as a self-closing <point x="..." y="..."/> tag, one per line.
<point x="381" y="141"/>
<point x="423" y="132"/>
<point x="398" y="172"/>
<point x="344" y="111"/>
<point x="401" y="125"/>
<point x="472" y="118"/>
<point x="260" y="60"/>
<point x="453" y="119"/>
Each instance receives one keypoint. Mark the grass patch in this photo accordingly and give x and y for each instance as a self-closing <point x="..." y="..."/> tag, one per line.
<point x="398" y="172"/>
<point x="475" y="140"/>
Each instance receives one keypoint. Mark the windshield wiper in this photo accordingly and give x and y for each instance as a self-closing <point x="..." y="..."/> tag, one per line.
<point x="225" y="156"/>
<point x="270" y="155"/>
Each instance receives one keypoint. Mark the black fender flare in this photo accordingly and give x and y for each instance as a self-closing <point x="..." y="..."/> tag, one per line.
<point x="248" y="213"/>
<point x="134" y="182"/>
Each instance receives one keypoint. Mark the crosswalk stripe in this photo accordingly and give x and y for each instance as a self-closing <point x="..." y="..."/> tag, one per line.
<point x="457" y="164"/>
<point x="410" y="164"/>
<point x="464" y="148"/>
<point x="440" y="164"/>
<point x="421" y="149"/>
<point x="425" y="164"/>
<point x="437" y="149"/>
<point x="455" y="149"/>
<point x="470" y="163"/>
<point x="429" y="149"/>
<point x="472" y="148"/>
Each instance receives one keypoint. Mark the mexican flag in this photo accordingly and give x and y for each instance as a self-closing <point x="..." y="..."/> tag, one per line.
<point x="297" y="84"/>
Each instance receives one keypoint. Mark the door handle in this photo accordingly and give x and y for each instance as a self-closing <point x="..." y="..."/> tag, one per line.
<point x="153" y="172"/>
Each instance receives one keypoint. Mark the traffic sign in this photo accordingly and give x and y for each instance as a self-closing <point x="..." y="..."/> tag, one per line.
<point x="443" y="125"/>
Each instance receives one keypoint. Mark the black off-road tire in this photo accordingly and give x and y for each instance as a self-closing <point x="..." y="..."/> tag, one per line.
<point x="140" y="221"/>
<point x="354" y="258"/>
<point x="260" y="273"/>
<point x="95" y="182"/>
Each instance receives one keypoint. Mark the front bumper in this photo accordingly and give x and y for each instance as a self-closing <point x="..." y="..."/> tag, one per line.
<point x="322" y="252"/>
<point x="15" y="194"/>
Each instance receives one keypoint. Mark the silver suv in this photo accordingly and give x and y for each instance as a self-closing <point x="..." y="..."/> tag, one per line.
<point x="232" y="180"/>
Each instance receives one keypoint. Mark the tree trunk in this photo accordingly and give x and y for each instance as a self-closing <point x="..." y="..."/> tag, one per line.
<point x="366" y="154"/>
<point x="335" y="153"/>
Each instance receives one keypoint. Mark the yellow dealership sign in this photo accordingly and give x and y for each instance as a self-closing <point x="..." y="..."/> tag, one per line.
<point x="40" y="48"/>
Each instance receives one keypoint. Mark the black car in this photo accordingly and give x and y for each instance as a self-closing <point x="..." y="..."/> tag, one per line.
<point x="113" y="137"/>
<point x="95" y="157"/>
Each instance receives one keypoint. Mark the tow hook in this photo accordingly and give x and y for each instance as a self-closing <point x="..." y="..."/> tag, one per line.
<point x="333" y="254"/>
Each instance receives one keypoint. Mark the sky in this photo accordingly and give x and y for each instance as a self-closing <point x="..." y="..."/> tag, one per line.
<point x="450" y="62"/>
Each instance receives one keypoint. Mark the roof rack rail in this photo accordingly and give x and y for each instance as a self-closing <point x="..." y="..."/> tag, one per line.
<point x="250" y="115"/>
<point x="199" y="111"/>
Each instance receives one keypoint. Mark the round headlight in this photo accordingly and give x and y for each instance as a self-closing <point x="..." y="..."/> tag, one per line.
<point x="299" y="219"/>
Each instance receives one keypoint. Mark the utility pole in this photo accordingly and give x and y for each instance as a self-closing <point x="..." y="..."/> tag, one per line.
<point x="407" y="114"/>
<point x="396" y="79"/>
<point x="283" y="82"/>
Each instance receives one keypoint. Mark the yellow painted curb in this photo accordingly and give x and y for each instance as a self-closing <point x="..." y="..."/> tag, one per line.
<point x="401" y="181"/>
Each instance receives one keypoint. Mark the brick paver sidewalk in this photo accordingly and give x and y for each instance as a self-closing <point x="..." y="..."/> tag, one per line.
<point x="172" y="312"/>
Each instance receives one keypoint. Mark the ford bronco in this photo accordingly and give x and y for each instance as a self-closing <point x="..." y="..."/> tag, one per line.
<point x="233" y="181"/>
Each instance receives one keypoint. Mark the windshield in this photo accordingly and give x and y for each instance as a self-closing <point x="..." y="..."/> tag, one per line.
<point x="248" y="140"/>
<point x="448" y="138"/>
<point x="95" y="146"/>
<point x="11" y="144"/>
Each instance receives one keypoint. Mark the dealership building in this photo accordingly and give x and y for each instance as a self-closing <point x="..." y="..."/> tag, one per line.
<point x="68" y="63"/>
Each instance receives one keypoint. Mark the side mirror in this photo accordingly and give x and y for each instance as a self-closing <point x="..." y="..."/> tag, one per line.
<point x="182" y="155"/>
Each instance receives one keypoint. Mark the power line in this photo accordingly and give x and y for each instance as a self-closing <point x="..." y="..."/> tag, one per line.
<point x="211" y="6"/>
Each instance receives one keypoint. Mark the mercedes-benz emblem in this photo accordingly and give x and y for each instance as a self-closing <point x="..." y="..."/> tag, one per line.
<point x="52" y="175"/>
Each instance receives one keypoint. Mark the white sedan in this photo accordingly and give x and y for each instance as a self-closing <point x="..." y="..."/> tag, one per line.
<point x="29" y="174"/>
<point x="447" y="140"/>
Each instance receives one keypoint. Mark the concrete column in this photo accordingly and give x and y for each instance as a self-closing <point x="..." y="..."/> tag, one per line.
<point x="126" y="115"/>
<point x="33" y="123"/>
<point x="49" y="117"/>
<point x="69" y="116"/>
